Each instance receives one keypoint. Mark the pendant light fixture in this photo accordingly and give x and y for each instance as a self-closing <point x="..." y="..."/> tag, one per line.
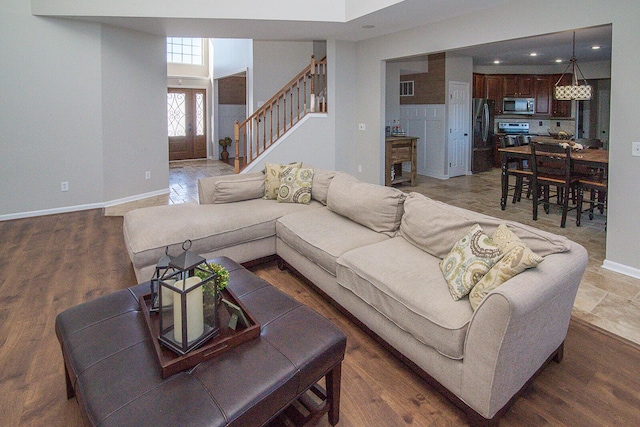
<point x="574" y="91"/>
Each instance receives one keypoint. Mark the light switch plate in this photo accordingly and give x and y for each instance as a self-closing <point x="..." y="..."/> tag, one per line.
<point x="635" y="148"/>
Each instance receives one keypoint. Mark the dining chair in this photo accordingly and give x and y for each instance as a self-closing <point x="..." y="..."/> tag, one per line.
<point x="596" y="186"/>
<point x="517" y="168"/>
<point x="551" y="166"/>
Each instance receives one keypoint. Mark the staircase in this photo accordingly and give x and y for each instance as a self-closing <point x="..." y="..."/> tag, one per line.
<point x="305" y="93"/>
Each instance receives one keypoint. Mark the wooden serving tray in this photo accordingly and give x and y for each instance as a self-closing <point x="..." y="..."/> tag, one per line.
<point x="172" y="363"/>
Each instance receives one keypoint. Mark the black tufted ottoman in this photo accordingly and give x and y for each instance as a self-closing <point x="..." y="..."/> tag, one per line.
<point x="112" y="369"/>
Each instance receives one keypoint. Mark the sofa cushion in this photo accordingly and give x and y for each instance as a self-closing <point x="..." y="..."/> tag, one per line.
<point x="207" y="185"/>
<point x="272" y="173"/>
<point x="435" y="226"/>
<point x="374" y="206"/>
<point x="236" y="188"/>
<point x="405" y="285"/>
<point x="321" y="180"/>
<point x="295" y="185"/>
<point x="468" y="261"/>
<point x="210" y="227"/>
<point x="322" y="236"/>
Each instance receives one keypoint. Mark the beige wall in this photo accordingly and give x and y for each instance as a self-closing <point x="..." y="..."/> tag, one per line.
<point x="78" y="106"/>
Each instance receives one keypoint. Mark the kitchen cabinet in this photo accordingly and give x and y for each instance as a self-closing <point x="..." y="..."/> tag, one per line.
<point x="560" y="108"/>
<point x="399" y="150"/>
<point x="518" y="86"/>
<point x="542" y="89"/>
<point x="478" y="85"/>
<point x="493" y="90"/>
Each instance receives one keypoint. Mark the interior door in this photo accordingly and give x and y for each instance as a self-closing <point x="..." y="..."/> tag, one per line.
<point x="187" y="125"/>
<point x="459" y="119"/>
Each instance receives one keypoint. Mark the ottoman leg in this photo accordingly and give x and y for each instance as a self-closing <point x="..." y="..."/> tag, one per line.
<point x="333" y="380"/>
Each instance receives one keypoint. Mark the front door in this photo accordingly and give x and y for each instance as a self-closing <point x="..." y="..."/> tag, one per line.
<point x="459" y="119"/>
<point x="187" y="128"/>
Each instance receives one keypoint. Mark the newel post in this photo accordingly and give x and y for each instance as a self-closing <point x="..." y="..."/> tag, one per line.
<point x="236" y="137"/>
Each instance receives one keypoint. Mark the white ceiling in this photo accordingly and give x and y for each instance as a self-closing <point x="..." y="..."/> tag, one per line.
<point x="154" y="16"/>
<point x="549" y="47"/>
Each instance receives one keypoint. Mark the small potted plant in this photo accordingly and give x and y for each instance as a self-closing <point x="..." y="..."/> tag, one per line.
<point x="222" y="279"/>
<point x="224" y="143"/>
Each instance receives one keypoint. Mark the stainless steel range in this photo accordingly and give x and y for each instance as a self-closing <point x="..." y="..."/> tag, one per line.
<point x="513" y="128"/>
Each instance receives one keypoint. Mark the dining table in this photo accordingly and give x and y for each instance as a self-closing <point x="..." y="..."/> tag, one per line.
<point x="591" y="158"/>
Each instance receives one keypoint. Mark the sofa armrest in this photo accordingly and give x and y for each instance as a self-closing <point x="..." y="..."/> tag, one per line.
<point x="517" y="327"/>
<point x="235" y="188"/>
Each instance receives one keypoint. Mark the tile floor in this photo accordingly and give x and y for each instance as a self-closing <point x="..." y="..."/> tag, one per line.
<point x="607" y="299"/>
<point x="183" y="184"/>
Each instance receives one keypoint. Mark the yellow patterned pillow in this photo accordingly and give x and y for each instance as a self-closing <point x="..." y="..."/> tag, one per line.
<point x="272" y="173"/>
<point x="505" y="239"/>
<point x="517" y="258"/>
<point x="295" y="185"/>
<point x="468" y="261"/>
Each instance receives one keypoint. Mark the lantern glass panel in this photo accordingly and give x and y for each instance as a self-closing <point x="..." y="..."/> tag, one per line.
<point x="188" y="314"/>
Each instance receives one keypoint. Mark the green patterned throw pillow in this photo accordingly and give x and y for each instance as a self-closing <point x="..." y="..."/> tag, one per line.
<point x="272" y="175"/>
<point x="468" y="261"/>
<point x="517" y="258"/>
<point x="295" y="185"/>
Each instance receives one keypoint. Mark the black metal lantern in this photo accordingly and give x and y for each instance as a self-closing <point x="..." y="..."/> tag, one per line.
<point x="187" y="303"/>
<point x="162" y="270"/>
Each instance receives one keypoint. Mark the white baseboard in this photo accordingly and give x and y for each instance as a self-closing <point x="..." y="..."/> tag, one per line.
<point x="76" y="208"/>
<point x="136" y="197"/>
<point x="621" y="268"/>
<point x="53" y="211"/>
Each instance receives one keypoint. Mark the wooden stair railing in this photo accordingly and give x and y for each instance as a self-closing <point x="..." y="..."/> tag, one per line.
<point x="305" y="93"/>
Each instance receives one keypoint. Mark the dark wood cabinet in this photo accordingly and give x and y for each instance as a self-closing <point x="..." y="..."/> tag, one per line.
<point x="493" y="90"/>
<point x="560" y="108"/>
<point x="478" y="85"/>
<point x="519" y="86"/>
<point x="542" y="89"/>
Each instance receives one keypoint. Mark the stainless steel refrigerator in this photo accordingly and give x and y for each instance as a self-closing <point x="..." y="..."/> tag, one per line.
<point x="483" y="141"/>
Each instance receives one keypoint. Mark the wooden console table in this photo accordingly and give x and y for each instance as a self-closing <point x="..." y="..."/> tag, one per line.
<point x="399" y="149"/>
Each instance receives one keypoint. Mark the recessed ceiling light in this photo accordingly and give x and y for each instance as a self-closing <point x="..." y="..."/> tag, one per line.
<point x="595" y="47"/>
<point x="533" y="54"/>
<point x="497" y="61"/>
<point x="369" y="26"/>
<point x="558" y="60"/>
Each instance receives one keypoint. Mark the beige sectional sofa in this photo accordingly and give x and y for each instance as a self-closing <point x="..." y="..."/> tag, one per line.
<point x="376" y="251"/>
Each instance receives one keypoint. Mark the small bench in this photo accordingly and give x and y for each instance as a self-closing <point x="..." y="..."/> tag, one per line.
<point x="112" y="369"/>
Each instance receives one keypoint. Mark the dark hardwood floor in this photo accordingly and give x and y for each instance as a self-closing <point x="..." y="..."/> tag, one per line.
<point x="50" y="263"/>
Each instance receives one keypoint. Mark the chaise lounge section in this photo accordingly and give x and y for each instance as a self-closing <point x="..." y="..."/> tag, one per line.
<point x="376" y="253"/>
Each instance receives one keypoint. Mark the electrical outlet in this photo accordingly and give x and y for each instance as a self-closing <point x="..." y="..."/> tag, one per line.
<point x="362" y="126"/>
<point x="147" y="175"/>
<point x="359" y="168"/>
<point x="64" y="186"/>
<point x="635" y="148"/>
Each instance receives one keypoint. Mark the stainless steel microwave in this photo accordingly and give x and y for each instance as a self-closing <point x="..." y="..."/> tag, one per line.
<point x="518" y="106"/>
